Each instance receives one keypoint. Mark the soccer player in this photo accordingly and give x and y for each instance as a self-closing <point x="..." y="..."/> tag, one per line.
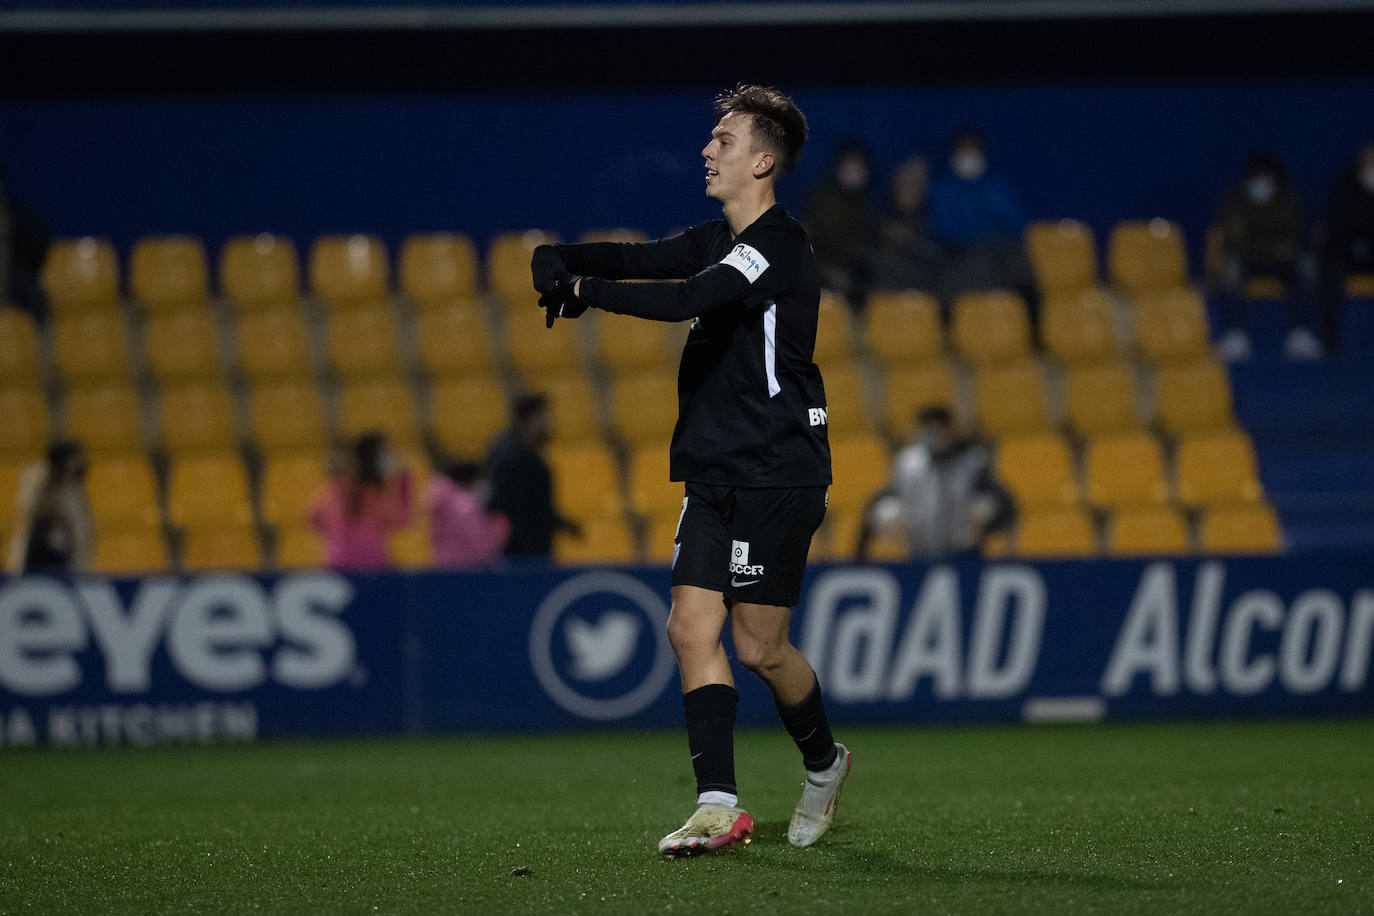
<point x="750" y="446"/>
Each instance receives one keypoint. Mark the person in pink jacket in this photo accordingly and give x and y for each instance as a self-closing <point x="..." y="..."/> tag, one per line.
<point x="361" y="507"/>
<point x="463" y="533"/>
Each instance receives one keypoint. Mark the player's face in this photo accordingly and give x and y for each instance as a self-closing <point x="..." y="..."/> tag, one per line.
<point x="729" y="161"/>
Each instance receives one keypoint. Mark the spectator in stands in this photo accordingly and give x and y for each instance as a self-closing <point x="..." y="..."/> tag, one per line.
<point x="908" y="257"/>
<point x="943" y="497"/>
<point x="53" y="531"/>
<point x="369" y="500"/>
<point x="843" y="225"/>
<point x="1349" y="245"/>
<point x="23" y="246"/>
<point x="1263" y="235"/>
<point x="464" y="535"/>
<point x="976" y="216"/>
<point x="522" y="484"/>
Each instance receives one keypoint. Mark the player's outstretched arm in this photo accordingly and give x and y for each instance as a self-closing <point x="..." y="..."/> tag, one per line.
<point x="672" y="258"/>
<point x="710" y="289"/>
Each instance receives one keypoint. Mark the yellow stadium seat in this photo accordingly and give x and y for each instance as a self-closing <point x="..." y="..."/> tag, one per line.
<point x="11" y="472"/>
<point x="288" y="417"/>
<point x="208" y="490"/>
<point x="348" y="269"/>
<point x="834" y="334"/>
<point x="605" y="539"/>
<point x="1063" y="255"/>
<point x="385" y="405"/>
<point x="290" y="484"/>
<point x="1078" y="328"/>
<point x="454" y="338"/>
<point x="18" y="347"/>
<point x="535" y="349"/>
<point x="23" y="421"/>
<point x="91" y="345"/>
<point x="274" y="343"/>
<point x="1216" y="468"/>
<point x="1125" y="469"/>
<point x="992" y="326"/>
<point x="846" y="399"/>
<point x="1061" y="532"/>
<point x="1038" y="469"/>
<point x="81" y="275"/>
<point x="572" y="406"/>
<point x="260" y="271"/>
<point x="364" y="340"/>
<point x="1011" y="398"/>
<point x="299" y="547"/>
<point x="437" y="268"/>
<point x="838" y="537"/>
<point x="625" y="344"/>
<point x="585" y="480"/>
<point x="1359" y="286"/>
<point x="1153" y="531"/>
<point x="198" y="417"/>
<point x="1192" y="397"/>
<point x="644" y="406"/>
<point x="129" y="551"/>
<point x="659" y="534"/>
<point x="466" y="413"/>
<point x="651" y="492"/>
<point x="861" y="468"/>
<point x="909" y="388"/>
<point x="620" y="234"/>
<point x="903" y="326"/>
<point x="413" y="546"/>
<point x="168" y="272"/>
<point x="1147" y="255"/>
<point x="508" y="267"/>
<point x="183" y="344"/>
<point x="122" y="493"/>
<point x="1101" y="399"/>
<point x="221" y="547"/>
<point x="1240" y="530"/>
<point x="105" y="418"/>
<point x="1171" y="325"/>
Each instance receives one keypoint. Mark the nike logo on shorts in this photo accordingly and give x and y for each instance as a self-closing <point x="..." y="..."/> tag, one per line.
<point x="735" y="583"/>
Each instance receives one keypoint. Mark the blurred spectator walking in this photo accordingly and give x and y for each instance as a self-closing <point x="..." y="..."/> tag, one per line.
<point x="977" y="218"/>
<point x="843" y="225"/>
<point x="54" y="532"/>
<point x="1263" y="235"/>
<point x="23" y="246"/>
<point x="368" y="500"/>
<point x="1349" y="244"/>
<point x="908" y="257"/>
<point x="464" y="535"/>
<point x="943" y="498"/>
<point x="522" y="486"/>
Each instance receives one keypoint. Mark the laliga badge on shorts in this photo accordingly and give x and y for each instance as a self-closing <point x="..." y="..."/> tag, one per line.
<point x="739" y="553"/>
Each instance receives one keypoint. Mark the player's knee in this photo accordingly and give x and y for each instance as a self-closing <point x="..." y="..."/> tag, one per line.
<point x="688" y="636"/>
<point x="759" y="655"/>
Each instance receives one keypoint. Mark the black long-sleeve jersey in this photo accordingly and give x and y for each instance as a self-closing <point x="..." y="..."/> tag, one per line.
<point x="751" y="403"/>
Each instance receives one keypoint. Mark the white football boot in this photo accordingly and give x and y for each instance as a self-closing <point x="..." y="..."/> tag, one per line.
<point x="820" y="795"/>
<point x="711" y="827"/>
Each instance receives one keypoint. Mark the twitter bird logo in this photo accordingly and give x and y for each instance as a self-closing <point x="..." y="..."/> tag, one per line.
<point x="601" y="649"/>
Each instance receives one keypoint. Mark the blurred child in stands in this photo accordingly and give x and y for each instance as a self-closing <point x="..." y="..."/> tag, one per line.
<point x="370" y="499"/>
<point x="54" y="533"/>
<point x="464" y="534"/>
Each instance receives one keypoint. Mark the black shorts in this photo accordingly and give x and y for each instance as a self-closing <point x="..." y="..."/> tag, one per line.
<point x="748" y="544"/>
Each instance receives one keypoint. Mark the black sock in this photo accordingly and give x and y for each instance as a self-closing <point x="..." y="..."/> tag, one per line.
<point x="710" y="715"/>
<point x="807" y="725"/>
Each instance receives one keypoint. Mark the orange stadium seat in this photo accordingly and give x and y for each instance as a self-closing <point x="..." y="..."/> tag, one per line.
<point x="651" y="492"/>
<point x="348" y="269"/>
<point x="1217" y="468"/>
<point x="535" y="349"/>
<point x="1147" y="255"/>
<point x="992" y="326"/>
<point x="838" y="537"/>
<point x="834" y="332"/>
<point x="1101" y="399"/>
<point x="91" y="345"/>
<point x="290" y="484"/>
<point x="1061" y="532"/>
<point x="467" y="413"/>
<point x="260" y="271"/>
<point x="437" y="268"/>
<point x="183" y="344"/>
<point x="1063" y="254"/>
<point x="1151" y="531"/>
<point x="605" y="539"/>
<point x="1191" y="397"/>
<point x="129" y="551"/>
<point x="625" y="344"/>
<point x="1038" y="469"/>
<point x="19" y="361"/>
<point x="586" y="482"/>
<point x="299" y="546"/>
<point x="572" y="406"/>
<point x="508" y="267"/>
<point x="208" y="490"/>
<point x="644" y="406"/>
<point x="80" y="275"/>
<point x="221" y="547"/>
<point x="386" y="405"/>
<point x="903" y="326"/>
<point x="1012" y="398"/>
<point x="105" y="418"/>
<point x="846" y="398"/>
<point x="1171" y="325"/>
<point x="24" y="422"/>
<point x="1125" y="469"/>
<point x="454" y="338"/>
<point x="11" y="472"/>
<point x="274" y="343"/>
<point x="288" y="417"/>
<point x="861" y="468"/>
<point x="123" y="493"/>
<point x="659" y="533"/>
<point x="169" y="272"/>
<point x="1240" y="530"/>
<point x="198" y="417"/>
<point x="413" y="546"/>
<point x="1078" y="327"/>
<point x="909" y="388"/>
<point x="364" y="340"/>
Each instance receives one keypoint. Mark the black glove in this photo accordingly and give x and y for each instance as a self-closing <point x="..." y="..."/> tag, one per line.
<point x="560" y="302"/>
<point x="547" y="268"/>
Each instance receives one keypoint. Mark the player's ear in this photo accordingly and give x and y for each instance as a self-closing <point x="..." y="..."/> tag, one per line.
<point x="763" y="164"/>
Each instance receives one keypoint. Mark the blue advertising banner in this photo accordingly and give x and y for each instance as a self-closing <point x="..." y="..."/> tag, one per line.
<point x="239" y="657"/>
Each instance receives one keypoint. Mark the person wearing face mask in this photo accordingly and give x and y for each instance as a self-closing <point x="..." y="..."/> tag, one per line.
<point x="1262" y="235"/>
<point x="843" y="226"/>
<point x="1349" y="245"/>
<point x="369" y="500"/>
<point x="943" y="498"/>
<point x="976" y="216"/>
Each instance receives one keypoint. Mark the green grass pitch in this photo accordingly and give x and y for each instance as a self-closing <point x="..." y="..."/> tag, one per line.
<point x="1167" y="818"/>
